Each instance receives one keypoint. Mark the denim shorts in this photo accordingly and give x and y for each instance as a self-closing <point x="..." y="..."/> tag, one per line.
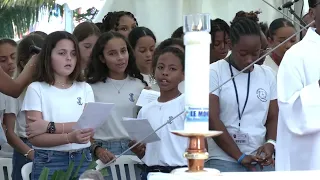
<point x="59" y="160"/>
<point x="228" y="166"/>
<point x="18" y="161"/>
<point x="117" y="147"/>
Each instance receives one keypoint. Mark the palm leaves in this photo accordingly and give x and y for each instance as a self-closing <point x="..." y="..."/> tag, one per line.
<point x="18" y="15"/>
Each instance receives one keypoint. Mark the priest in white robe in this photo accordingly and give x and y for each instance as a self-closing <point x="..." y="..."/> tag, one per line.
<point x="298" y="138"/>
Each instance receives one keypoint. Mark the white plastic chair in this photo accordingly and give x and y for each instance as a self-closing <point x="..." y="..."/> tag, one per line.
<point x="5" y="174"/>
<point x="26" y="171"/>
<point x="128" y="160"/>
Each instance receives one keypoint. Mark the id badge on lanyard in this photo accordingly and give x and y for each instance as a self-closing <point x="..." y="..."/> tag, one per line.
<point x="239" y="137"/>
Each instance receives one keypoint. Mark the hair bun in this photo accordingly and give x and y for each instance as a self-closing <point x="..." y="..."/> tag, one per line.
<point x="253" y="15"/>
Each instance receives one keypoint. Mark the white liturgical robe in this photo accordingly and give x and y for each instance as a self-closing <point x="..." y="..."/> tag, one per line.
<point x="298" y="138"/>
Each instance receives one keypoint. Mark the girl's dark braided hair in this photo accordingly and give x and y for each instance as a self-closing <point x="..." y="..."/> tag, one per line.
<point x="111" y="20"/>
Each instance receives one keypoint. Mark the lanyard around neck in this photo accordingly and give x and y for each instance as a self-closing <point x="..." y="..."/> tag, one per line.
<point x="236" y="92"/>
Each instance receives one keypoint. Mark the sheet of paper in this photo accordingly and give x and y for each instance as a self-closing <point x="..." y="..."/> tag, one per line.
<point x="147" y="96"/>
<point x="138" y="129"/>
<point x="94" y="115"/>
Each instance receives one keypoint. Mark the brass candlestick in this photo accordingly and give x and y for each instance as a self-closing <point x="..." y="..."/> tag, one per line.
<point x="197" y="151"/>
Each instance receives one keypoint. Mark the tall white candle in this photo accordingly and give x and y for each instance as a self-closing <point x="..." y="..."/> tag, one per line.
<point x="197" y="59"/>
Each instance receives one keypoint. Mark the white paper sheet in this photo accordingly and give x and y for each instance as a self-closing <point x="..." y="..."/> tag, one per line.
<point x="147" y="96"/>
<point x="94" y="115"/>
<point x="138" y="129"/>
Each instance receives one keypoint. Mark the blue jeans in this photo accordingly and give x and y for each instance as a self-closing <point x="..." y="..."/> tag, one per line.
<point x="18" y="161"/>
<point x="228" y="166"/>
<point x="59" y="160"/>
<point x="117" y="147"/>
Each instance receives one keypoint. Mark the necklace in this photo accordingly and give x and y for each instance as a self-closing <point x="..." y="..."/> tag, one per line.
<point x="152" y="81"/>
<point x="63" y="85"/>
<point x="118" y="89"/>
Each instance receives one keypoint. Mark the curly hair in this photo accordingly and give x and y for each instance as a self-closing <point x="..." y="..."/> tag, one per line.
<point x="111" y="20"/>
<point x="253" y="15"/>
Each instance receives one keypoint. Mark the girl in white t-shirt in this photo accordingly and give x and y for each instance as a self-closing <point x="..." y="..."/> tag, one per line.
<point x="279" y="30"/>
<point x="143" y="42"/>
<point x="245" y="108"/>
<point x="14" y="119"/>
<point x="8" y="49"/>
<point x="114" y="78"/>
<point x="57" y="96"/>
<point x="165" y="155"/>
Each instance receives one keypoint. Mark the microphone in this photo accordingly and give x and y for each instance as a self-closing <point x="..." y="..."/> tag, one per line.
<point x="287" y="4"/>
<point x="34" y="49"/>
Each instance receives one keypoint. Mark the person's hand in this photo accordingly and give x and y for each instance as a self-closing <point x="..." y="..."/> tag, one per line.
<point x="104" y="155"/>
<point x="249" y="162"/>
<point x="81" y="136"/>
<point x="37" y="127"/>
<point x="264" y="154"/>
<point x="31" y="155"/>
<point x="32" y="61"/>
<point x="139" y="149"/>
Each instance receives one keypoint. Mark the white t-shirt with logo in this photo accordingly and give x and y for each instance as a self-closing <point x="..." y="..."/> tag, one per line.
<point x="263" y="89"/>
<point x="170" y="149"/>
<point x="125" y="105"/>
<point x="58" y="105"/>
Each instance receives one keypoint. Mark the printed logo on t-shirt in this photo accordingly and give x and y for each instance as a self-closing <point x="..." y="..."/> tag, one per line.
<point x="79" y="101"/>
<point x="131" y="98"/>
<point x="262" y="94"/>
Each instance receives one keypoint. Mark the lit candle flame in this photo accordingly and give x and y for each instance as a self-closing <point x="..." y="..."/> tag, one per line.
<point x="197" y="27"/>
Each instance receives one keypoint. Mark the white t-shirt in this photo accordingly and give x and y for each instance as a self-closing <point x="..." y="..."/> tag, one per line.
<point x="262" y="90"/>
<point x="125" y="105"/>
<point x="58" y="105"/>
<point x="3" y="138"/>
<point x="148" y="78"/>
<point x="13" y="106"/>
<point x="2" y="105"/>
<point x="170" y="149"/>
<point x="269" y="62"/>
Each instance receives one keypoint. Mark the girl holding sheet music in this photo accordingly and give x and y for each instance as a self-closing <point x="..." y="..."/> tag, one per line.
<point x="58" y="95"/>
<point x="114" y="78"/>
<point x="165" y="155"/>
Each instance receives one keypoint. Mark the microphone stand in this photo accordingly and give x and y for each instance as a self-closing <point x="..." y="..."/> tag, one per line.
<point x="302" y="26"/>
<point x="296" y="16"/>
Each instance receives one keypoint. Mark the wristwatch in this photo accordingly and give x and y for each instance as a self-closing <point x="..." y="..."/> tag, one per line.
<point x="51" y="128"/>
